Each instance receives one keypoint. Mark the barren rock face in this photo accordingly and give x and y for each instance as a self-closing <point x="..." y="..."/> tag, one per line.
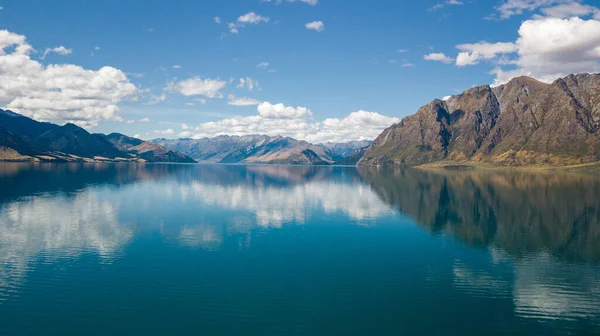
<point x="523" y="122"/>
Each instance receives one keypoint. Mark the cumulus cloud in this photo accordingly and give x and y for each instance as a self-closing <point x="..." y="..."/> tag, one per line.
<point x="58" y="93"/>
<point x="547" y="48"/>
<point x="280" y="111"/>
<point x="438" y="57"/>
<point x="196" y="86"/>
<point x="318" y="26"/>
<point x="217" y="20"/>
<point x="243" y="20"/>
<point x="472" y="53"/>
<point x="263" y="65"/>
<point x="242" y="101"/>
<point x="297" y="122"/>
<point x="58" y="50"/>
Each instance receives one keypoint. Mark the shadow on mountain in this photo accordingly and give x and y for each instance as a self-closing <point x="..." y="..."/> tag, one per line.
<point x="519" y="212"/>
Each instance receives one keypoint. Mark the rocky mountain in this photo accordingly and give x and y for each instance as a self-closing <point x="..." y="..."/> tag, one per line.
<point x="353" y="158"/>
<point x="342" y="150"/>
<point x="524" y="122"/>
<point x="24" y="139"/>
<point x="148" y="151"/>
<point x="250" y="149"/>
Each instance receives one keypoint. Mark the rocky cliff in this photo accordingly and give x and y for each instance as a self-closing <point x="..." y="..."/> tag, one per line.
<point x="524" y="122"/>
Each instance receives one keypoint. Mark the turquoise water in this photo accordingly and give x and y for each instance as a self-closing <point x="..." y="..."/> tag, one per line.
<point x="111" y="249"/>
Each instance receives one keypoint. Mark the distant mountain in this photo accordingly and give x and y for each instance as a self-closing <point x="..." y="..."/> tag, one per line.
<point x="524" y="122"/>
<point x="353" y="158"/>
<point x="146" y="150"/>
<point x="24" y="139"/>
<point x="250" y="149"/>
<point x="345" y="149"/>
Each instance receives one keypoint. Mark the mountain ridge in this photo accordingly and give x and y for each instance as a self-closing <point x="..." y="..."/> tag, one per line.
<point x="251" y="149"/>
<point x="24" y="139"/>
<point x="522" y="123"/>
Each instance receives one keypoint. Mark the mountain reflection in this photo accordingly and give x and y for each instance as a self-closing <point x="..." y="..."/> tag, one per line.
<point x="539" y="233"/>
<point x="66" y="210"/>
<point x="519" y="212"/>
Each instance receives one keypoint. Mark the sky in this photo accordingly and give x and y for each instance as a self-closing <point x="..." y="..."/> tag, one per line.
<point x="316" y="70"/>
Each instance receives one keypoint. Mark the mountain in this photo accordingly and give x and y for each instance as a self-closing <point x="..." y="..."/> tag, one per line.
<point x="75" y="140"/>
<point x="342" y="150"/>
<point x="24" y="139"/>
<point x="146" y="150"/>
<point x="524" y="122"/>
<point x="353" y="158"/>
<point x="250" y="149"/>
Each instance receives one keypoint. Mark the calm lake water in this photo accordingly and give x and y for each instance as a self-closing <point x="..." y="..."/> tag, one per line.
<point x="111" y="249"/>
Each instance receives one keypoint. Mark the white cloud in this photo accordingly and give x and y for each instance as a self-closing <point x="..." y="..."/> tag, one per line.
<point x="217" y="20"/>
<point x="242" y="101"/>
<point x="248" y="18"/>
<point x="58" y="92"/>
<point x="249" y="84"/>
<point x="278" y="119"/>
<point x="144" y="120"/>
<point x="96" y="48"/>
<point x="567" y="10"/>
<point x="407" y="65"/>
<point x="58" y="50"/>
<point x="446" y="3"/>
<point x="402" y="51"/>
<point x="262" y="65"/>
<point x="547" y="48"/>
<point x="552" y="8"/>
<point x="168" y="131"/>
<point x="197" y="86"/>
<point x="438" y="57"/>
<point x="252" y="18"/>
<point x="473" y="53"/>
<point x="318" y="26"/>
<point x="176" y="66"/>
<point x="280" y="111"/>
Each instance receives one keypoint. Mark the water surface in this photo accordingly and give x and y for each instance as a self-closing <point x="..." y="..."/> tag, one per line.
<point x="121" y="249"/>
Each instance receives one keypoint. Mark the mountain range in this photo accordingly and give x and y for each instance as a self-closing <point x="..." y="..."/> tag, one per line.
<point x="262" y="149"/>
<point x="524" y="122"/>
<point x="24" y="139"/>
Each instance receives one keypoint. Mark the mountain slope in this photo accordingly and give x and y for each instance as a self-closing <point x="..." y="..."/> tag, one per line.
<point x="28" y="129"/>
<point x="250" y="149"/>
<point x="146" y="150"/>
<point x="75" y="140"/>
<point x="353" y="158"/>
<point x="24" y="139"/>
<point x="342" y="150"/>
<point x="524" y="122"/>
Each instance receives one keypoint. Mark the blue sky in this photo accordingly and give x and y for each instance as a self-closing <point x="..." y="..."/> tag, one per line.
<point x="370" y="56"/>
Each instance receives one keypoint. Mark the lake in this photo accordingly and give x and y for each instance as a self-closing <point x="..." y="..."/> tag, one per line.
<point x="123" y="249"/>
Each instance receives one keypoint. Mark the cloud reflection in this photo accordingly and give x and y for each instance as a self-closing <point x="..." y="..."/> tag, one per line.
<point x="55" y="227"/>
